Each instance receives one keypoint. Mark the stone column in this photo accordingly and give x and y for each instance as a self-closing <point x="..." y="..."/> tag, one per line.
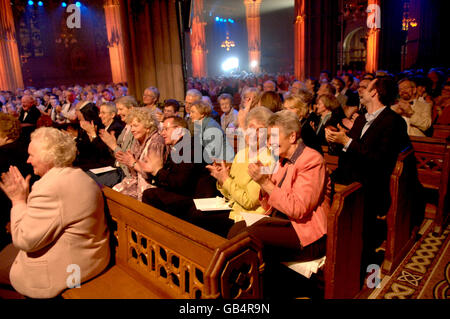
<point x="373" y="38"/>
<point x="10" y="69"/>
<point x="115" y="40"/>
<point x="198" y="42"/>
<point x="299" y="40"/>
<point x="252" y="9"/>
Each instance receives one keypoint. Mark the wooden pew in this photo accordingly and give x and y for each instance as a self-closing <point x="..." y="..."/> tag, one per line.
<point x="344" y="243"/>
<point x="341" y="272"/>
<point x="441" y="131"/>
<point x="433" y="165"/>
<point x="331" y="160"/>
<point x="158" y="255"/>
<point x="401" y="234"/>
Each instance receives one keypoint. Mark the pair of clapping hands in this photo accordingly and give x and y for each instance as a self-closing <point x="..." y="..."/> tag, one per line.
<point x="153" y="162"/>
<point x="16" y="187"/>
<point x="220" y="170"/>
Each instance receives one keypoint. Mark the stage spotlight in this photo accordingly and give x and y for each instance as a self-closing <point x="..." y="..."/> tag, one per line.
<point x="40" y="3"/>
<point x="30" y="3"/>
<point x="254" y="64"/>
<point x="230" y="64"/>
<point x="217" y="18"/>
<point x="64" y="4"/>
<point x="78" y="4"/>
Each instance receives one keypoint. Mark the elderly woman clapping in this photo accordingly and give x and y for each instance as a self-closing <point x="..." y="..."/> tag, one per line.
<point x="236" y="185"/>
<point x="295" y="196"/>
<point x="147" y="142"/>
<point x="60" y="223"/>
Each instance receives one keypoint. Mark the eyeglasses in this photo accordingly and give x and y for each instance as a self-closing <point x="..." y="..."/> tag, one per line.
<point x="164" y="129"/>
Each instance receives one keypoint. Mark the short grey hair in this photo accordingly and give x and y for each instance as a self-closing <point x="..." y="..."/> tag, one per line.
<point x="194" y="92"/>
<point x="287" y="121"/>
<point x="110" y="106"/>
<point x="225" y="96"/>
<point x="55" y="147"/>
<point x="260" y="114"/>
<point x="154" y="90"/>
<point x="127" y="101"/>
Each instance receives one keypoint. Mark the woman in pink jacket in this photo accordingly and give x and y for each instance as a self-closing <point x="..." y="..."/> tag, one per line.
<point x="296" y="196"/>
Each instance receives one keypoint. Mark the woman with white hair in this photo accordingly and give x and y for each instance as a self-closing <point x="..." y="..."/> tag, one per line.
<point x="60" y="225"/>
<point x="144" y="128"/>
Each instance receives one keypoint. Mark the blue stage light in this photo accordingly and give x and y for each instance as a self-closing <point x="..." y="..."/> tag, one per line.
<point x="217" y="18"/>
<point x="40" y="3"/>
<point x="78" y="4"/>
<point x="30" y="3"/>
<point x="221" y="20"/>
<point x="64" y="4"/>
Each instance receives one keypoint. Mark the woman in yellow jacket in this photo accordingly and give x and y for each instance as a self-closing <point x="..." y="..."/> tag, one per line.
<point x="235" y="183"/>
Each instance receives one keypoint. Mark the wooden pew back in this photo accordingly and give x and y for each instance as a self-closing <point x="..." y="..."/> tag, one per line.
<point x="441" y="131"/>
<point x="433" y="165"/>
<point x="177" y="260"/>
<point x="344" y="243"/>
<point x="331" y="160"/>
<point x="405" y="201"/>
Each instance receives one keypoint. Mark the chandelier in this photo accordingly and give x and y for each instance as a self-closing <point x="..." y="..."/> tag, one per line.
<point x="407" y="21"/>
<point x="228" y="43"/>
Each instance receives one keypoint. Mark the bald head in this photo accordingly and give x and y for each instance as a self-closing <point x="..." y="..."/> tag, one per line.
<point x="27" y="102"/>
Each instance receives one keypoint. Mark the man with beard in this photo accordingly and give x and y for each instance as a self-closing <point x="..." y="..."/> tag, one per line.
<point x="416" y="113"/>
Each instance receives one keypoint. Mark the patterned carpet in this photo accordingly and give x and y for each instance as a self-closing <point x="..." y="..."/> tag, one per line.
<point x="425" y="272"/>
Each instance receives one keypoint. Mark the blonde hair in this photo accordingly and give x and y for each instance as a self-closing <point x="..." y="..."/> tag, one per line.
<point x="299" y="104"/>
<point x="55" y="146"/>
<point x="143" y="115"/>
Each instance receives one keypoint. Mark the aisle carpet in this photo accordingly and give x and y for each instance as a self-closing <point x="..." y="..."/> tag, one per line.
<point x="425" y="272"/>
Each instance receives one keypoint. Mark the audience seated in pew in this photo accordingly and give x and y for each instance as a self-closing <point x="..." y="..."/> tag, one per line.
<point x="122" y="143"/>
<point x="55" y="229"/>
<point x="235" y="183"/>
<point x="178" y="178"/>
<point x="88" y="156"/>
<point x="296" y="198"/>
<point x="209" y="134"/>
<point x="174" y="176"/>
<point x="147" y="139"/>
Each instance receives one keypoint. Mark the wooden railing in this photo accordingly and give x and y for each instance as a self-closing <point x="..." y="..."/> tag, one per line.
<point x="158" y="255"/>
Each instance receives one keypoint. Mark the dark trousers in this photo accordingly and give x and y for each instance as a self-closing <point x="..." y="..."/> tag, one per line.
<point x="183" y="207"/>
<point x="281" y="243"/>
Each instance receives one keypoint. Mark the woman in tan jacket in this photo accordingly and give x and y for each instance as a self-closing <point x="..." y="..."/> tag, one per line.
<point x="59" y="233"/>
